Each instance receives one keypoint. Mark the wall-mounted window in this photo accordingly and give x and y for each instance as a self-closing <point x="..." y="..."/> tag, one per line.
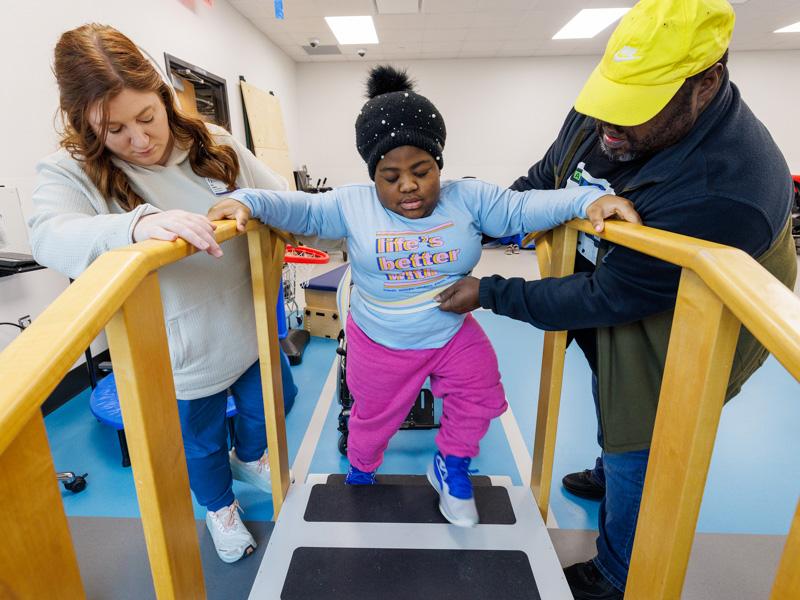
<point x="199" y="92"/>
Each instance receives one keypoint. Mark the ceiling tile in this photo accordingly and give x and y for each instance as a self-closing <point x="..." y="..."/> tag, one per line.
<point x="251" y="9"/>
<point x="488" y="46"/>
<point x="471" y="54"/>
<point x="433" y="55"/>
<point x="503" y="6"/>
<point x="399" y="35"/>
<point x="505" y="19"/>
<point x="397" y="48"/>
<point x="439" y="47"/>
<point x="444" y="35"/>
<point x="450" y="6"/>
<point x="389" y="7"/>
<point x="404" y="56"/>
<point x="398" y="21"/>
<point x="498" y="33"/>
<point x="449" y="21"/>
<point x="316" y="25"/>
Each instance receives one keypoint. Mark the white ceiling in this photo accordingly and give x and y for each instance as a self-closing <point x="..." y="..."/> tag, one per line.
<point x="449" y="29"/>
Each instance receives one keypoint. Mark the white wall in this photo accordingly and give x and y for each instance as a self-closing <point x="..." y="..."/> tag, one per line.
<point x="502" y="114"/>
<point x="217" y="39"/>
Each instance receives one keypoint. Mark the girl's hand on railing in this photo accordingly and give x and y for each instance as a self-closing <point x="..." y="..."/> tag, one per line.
<point x="173" y="224"/>
<point x="611" y="207"/>
<point x="230" y="209"/>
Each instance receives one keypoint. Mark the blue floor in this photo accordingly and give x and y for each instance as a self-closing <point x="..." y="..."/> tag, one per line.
<point x="753" y="485"/>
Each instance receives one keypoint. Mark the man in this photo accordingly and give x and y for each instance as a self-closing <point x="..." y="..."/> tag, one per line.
<point x="660" y="123"/>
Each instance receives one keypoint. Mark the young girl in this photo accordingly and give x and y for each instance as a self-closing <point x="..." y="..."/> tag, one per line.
<point x="411" y="236"/>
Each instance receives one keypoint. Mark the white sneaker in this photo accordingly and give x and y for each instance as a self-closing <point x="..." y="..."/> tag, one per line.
<point x="450" y="477"/>
<point x="255" y="472"/>
<point x="232" y="541"/>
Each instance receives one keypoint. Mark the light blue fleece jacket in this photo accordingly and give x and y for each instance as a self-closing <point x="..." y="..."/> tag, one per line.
<point x="400" y="264"/>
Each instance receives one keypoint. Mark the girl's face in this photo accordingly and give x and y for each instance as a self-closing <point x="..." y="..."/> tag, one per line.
<point x="138" y="128"/>
<point x="407" y="182"/>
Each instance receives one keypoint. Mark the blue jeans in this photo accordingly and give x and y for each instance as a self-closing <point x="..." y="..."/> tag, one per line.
<point x="205" y="434"/>
<point x="622" y="474"/>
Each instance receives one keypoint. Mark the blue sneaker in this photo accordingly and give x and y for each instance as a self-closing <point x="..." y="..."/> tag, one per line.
<point x="450" y="477"/>
<point x="356" y="476"/>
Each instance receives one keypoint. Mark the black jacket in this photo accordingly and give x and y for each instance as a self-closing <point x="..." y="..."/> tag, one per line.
<point x="725" y="182"/>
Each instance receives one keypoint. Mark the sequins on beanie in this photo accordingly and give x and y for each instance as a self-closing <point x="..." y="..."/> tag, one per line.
<point x="395" y="115"/>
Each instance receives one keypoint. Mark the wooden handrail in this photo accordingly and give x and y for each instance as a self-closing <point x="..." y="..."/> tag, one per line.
<point x="120" y="291"/>
<point x="721" y="288"/>
<point x="36" y="361"/>
<point x="764" y="305"/>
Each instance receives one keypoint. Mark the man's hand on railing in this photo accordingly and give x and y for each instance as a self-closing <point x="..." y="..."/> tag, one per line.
<point x="461" y="297"/>
<point x="611" y="207"/>
<point x="173" y="224"/>
<point x="230" y="209"/>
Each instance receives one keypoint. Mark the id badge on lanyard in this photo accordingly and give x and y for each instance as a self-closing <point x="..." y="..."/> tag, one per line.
<point x="588" y="247"/>
<point x="219" y="188"/>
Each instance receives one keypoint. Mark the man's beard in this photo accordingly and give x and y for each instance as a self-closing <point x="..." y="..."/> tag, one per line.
<point x="670" y="129"/>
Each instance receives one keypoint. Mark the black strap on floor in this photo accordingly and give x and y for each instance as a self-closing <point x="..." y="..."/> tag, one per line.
<point x="399" y="504"/>
<point x="408" y="574"/>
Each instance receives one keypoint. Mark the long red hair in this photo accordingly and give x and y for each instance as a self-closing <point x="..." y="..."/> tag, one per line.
<point x="93" y="64"/>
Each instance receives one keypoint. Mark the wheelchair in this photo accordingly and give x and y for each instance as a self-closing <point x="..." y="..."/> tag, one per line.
<point x="421" y="416"/>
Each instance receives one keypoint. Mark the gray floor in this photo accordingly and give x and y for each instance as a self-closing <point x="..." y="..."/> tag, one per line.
<point x="114" y="565"/>
<point x="112" y="556"/>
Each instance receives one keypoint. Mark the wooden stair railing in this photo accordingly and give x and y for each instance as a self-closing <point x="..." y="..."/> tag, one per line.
<point x="120" y="291"/>
<point x="720" y="289"/>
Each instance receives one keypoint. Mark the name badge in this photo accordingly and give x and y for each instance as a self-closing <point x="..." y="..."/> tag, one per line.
<point x="219" y="188"/>
<point x="588" y="246"/>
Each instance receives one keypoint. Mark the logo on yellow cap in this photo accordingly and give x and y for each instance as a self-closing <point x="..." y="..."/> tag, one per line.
<point x="627" y="53"/>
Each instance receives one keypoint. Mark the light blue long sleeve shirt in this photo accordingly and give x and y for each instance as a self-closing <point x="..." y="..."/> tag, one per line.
<point x="400" y="264"/>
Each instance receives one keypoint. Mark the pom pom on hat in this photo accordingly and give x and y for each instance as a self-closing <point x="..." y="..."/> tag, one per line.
<point x="384" y="79"/>
<point x="395" y="115"/>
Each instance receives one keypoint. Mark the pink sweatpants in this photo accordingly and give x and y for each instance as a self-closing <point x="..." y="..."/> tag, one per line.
<point x="385" y="383"/>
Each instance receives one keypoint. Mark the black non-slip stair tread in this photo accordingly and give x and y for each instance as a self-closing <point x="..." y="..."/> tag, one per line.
<point x="408" y="574"/>
<point x="338" y="478"/>
<point x="399" y="504"/>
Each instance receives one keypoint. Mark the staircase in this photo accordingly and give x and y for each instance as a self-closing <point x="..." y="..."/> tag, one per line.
<point x="390" y="542"/>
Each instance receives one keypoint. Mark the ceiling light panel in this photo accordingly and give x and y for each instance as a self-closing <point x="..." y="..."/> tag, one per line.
<point x="589" y="22"/>
<point x="353" y="30"/>
<point x="789" y="29"/>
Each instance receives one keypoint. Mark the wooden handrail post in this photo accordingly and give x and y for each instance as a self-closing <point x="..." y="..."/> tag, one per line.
<point x="562" y="263"/>
<point x="701" y="349"/>
<point x="266" y="266"/>
<point x="137" y="339"/>
<point x="787" y="581"/>
<point x="37" y="559"/>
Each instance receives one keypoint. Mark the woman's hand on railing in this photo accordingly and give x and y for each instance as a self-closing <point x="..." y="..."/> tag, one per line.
<point x="461" y="297"/>
<point x="173" y="224"/>
<point x="230" y="209"/>
<point x="611" y="207"/>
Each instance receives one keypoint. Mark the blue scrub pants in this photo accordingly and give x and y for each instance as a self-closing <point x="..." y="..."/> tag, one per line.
<point x="205" y="434"/>
<point x="622" y="474"/>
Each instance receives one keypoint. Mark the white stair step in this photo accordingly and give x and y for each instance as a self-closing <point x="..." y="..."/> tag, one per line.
<point x="528" y="535"/>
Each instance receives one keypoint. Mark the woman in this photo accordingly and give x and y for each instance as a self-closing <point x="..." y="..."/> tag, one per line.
<point x="132" y="167"/>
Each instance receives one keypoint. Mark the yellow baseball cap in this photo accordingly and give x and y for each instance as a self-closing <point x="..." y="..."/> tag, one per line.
<point x="656" y="46"/>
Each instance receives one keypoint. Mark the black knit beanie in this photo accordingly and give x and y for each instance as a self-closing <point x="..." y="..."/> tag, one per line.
<point x="396" y="116"/>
